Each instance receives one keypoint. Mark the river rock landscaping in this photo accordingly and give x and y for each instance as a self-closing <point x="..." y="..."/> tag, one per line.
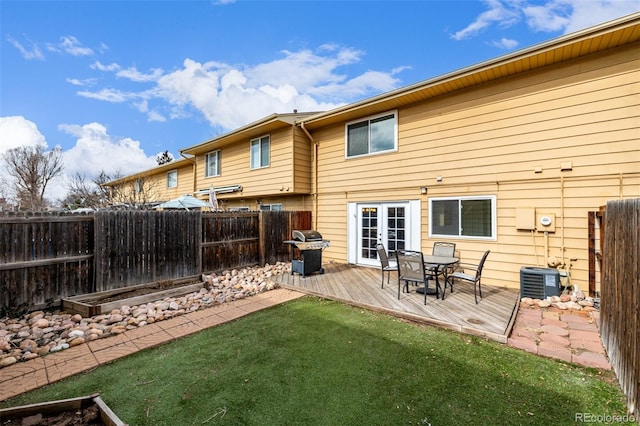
<point x="41" y="332"/>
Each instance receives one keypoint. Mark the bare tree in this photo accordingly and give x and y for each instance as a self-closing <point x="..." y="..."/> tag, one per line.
<point x="85" y="193"/>
<point x="135" y="193"/>
<point x="31" y="169"/>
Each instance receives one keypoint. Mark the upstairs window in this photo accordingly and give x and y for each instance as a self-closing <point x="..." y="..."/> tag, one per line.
<point x="468" y="217"/>
<point x="172" y="179"/>
<point x="373" y="135"/>
<point x="260" y="148"/>
<point x="212" y="164"/>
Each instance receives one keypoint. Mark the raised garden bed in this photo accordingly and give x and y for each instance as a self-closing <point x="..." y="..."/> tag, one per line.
<point x="92" y="304"/>
<point x="84" y="410"/>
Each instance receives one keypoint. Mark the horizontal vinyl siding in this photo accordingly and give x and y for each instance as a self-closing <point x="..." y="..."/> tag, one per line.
<point x="303" y="162"/>
<point x="488" y="141"/>
<point x="236" y="168"/>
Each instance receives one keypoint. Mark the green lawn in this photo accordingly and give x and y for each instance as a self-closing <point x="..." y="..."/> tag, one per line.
<point x="318" y="362"/>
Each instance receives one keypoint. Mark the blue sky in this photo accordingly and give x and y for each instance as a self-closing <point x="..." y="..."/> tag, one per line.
<point x="114" y="83"/>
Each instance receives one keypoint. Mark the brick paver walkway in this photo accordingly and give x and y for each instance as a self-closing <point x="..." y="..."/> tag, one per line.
<point x="569" y="336"/>
<point x="26" y="376"/>
<point x="561" y="334"/>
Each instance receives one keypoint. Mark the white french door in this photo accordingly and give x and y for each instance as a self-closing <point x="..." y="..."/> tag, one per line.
<point x="386" y="223"/>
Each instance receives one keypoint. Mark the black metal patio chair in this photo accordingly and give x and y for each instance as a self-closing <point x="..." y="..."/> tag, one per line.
<point x="411" y="268"/>
<point x="385" y="264"/>
<point x="471" y="278"/>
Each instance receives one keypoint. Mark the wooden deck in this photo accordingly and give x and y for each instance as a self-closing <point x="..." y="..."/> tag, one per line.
<point x="492" y="317"/>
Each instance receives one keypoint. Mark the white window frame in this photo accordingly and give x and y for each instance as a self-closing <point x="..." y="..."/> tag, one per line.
<point x="494" y="218"/>
<point x="207" y="171"/>
<point x="271" y="207"/>
<point x="369" y="120"/>
<point x="258" y="142"/>
<point x="172" y="178"/>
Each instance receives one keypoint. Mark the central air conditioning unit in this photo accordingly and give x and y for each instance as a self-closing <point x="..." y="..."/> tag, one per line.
<point x="539" y="283"/>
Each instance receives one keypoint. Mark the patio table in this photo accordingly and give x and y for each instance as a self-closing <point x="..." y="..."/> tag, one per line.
<point x="434" y="263"/>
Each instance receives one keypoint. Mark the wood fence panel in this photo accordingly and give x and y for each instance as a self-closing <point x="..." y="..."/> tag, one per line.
<point x="620" y="296"/>
<point x="277" y="226"/>
<point x="44" y="257"/>
<point x="138" y="247"/>
<point x="229" y="240"/>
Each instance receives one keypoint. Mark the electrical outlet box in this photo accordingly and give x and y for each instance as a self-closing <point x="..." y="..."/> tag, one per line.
<point x="526" y="218"/>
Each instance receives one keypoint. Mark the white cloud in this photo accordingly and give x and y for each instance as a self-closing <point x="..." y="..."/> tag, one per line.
<point x="230" y="97"/>
<point x="33" y="53"/>
<point x="573" y="15"/>
<point x="85" y="82"/>
<point x="501" y="13"/>
<point x="97" y="65"/>
<point x="95" y="150"/>
<point x="18" y="131"/>
<point x="108" y="95"/>
<point x="71" y="46"/>
<point x="563" y="16"/>
<point x="134" y="75"/>
<point x="505" y="43"/>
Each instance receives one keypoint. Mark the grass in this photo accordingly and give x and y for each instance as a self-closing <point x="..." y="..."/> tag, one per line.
<point x="318" y="362"/>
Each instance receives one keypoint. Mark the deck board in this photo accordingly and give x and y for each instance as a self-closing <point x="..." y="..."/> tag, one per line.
<point x="361" y="286"/>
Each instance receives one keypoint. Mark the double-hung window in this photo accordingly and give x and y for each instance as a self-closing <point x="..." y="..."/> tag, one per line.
<point x="212" y="164"/>
<point x="468" y="217"/>
<point x="260" y="148"/>
<point x="373" y="135"/>
<point x="172" y="179"/>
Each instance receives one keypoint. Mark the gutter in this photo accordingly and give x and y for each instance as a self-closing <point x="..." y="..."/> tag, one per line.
<point x="192" y="159"/>
<point x="315" y="174"/>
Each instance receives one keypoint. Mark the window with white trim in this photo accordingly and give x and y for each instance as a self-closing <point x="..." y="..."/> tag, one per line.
<point x="271" y="207"/>
<point x="467" y="217"/>
<point x="172" y="179"/>
<point x="260" y="148"/>
<point x="372" y="136"/>
<point x="212" y="164"/>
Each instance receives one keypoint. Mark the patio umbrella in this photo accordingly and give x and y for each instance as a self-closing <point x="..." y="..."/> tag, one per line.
<point x="184" y="202"/>
<point x="213" y="200"/>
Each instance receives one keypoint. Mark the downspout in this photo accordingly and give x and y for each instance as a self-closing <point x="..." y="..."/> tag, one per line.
<point x="195" y="168"/>
<point x="315" y="175"/>
<point x="563" y="248"/>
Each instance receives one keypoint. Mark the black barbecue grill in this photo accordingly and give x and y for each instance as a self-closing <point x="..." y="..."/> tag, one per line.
<point x="310" y="245"/>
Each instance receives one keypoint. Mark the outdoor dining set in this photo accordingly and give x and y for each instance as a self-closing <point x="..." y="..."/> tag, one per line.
<point x="417" y="268"/>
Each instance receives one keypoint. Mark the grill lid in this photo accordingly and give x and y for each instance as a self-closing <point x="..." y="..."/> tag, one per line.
<point x="308" y="235"/>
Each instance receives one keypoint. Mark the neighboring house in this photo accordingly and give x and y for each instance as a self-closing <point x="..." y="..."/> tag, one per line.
<point x="154" y="186"/>
<point x="263" y="165"/>
<point x="481" y="155"/>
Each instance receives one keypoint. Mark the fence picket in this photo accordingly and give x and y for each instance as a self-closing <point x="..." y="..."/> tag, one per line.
<point x="620" y="296"/>
<point x="46" y="257"/>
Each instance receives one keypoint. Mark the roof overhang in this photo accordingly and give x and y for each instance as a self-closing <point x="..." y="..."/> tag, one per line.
<point x="175" y="164"/>
<point x="609" y="35"/>
<point x="263" y="126"/>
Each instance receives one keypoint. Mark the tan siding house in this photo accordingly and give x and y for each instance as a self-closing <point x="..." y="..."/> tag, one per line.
<point x="477" y="157"/>
<point x="266" y="164"/>
<point x="156" y="185"/>
<point x="480" y="155"/>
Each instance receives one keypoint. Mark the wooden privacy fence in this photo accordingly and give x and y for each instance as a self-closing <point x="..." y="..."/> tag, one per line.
<point x="46" y="257"/>
<point x="620" y="296"/>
